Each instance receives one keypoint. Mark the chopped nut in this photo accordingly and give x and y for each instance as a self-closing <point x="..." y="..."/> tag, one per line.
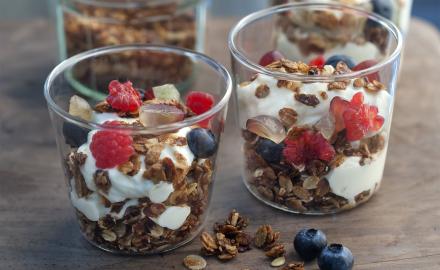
<point x="323" y="95"/>
<point x="311" y="182"/>
<point x="309" y="100"/>
<point x="288" y="117"/>
<point x="323" y="188"/>
<point x="265" y="236"/>
<point x="194" y="262"/>
<point x="291" y="85"/>
<point x="301" y="193"/>
<point x="102" y="181"/>
<point x="262" y="91"/>
<point x="209" y="245"/>
<point x="360" y="82"/>
<point x="154" y="210"/>
<point x="296" y="204"/>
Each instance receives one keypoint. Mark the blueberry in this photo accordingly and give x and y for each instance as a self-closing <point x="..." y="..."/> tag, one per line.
<point x="335" y="59"/>
<point x="74" y="135"/>
<point x="269" y="151"/>
<point x="335" y="257"/>
<point x="309" y="243"/>
<point x="202" y="142"/>
<point x="383" y="8"/>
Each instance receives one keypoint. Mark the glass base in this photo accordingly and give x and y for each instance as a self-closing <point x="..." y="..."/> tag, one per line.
<point x="284" y="208"/>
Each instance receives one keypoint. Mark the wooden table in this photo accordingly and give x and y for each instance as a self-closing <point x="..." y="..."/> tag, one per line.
<point x="398" y="229"/>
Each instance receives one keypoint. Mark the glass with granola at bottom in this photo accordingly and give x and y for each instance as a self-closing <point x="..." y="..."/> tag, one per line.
<point x="88" y="24"/>
<point x="315" y="132"/>
<point x="398" y="11"/>
<point x="140" y="163"/>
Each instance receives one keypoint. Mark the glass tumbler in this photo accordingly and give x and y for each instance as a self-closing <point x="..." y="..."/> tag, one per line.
<point x="139" y="164"/>
<point x="315" y="130"/>
<point x="399" y="11"/>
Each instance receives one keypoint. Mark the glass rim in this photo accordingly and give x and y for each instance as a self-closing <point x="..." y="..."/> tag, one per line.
<point x="253" y="17"/>
<point x="70" y="62"/>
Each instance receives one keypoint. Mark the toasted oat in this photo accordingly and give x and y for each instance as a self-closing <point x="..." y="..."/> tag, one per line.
<point x="311" y="182"/>
<point x="131" y="167"/>
<point x="102" y="181"/>
<point x="294" y="266"/>
<point x="265" y="237"/>
<point x="340" y="85"/>
<point x="296" y="204"/>
<point x="277" y="250"/>
<point x="109" y="236"/>
<point x="288" y="117"/>
<point x="278" y="262"/>
<point x="194" y="262"/>
<point x="309" y="100"/>
<point x="262" y="91"/>
<point x="291" y="85"/>
<point x="323" y="188"/>
<point x="374" y="87"/>
<point x="103" y="107"/>
<point x="360" y="82"/>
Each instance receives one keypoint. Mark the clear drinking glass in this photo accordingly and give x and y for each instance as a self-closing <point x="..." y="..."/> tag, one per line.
<point x="315" y="132"/>
<point x="399" y="11"/>
<point x="140" y="179"/>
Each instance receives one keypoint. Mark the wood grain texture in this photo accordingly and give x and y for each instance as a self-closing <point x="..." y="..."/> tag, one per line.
<point x="398" y="229"/>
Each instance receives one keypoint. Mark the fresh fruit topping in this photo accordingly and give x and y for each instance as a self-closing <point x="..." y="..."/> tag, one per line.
<point x="269" y="151"/>
<point x="356" y="117"/>
<point x="199" y="102"/>
<point x="166" y="92"/>
<point x="123" y="97"/>
<point x="318" y="62"/>
<point x="80" y="107"/>
<point x="202" y="142"/>
<point x="111" y="148"/>
<point x="366" y="64"/>
<point x="309" y="243"/>
<point x="74" y="135"/>
<point x="307" y="147"/>
<point x="335" y="257"/>
<point x="152" y="115"/>
<point x="383" y="8"/>
<point x="270" y="57"/>
<point x="268" y="127"/>
<point x="335" y="59"/>
<point x="148" y="94"/>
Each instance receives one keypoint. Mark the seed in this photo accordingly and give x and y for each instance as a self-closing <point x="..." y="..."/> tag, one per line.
<point x="194" y="262"/>
<point x="278" y="262"/>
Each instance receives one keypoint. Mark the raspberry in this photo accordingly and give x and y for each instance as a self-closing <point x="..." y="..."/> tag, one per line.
<point x="356" y="117"/>
<point x="270" y="57"/>
<point x="123" y="97"/>
<point x="318" y="62"/>
<point x="307" y="147"/>
<point x="111" y="148"/>
<point x="200" y="102"/>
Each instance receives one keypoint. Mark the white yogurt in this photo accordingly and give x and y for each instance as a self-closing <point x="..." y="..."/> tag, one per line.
<point x="357" y="52"/>
<point x="278" y="98"/>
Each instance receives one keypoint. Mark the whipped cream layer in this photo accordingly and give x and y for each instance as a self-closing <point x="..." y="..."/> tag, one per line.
<point x="358" y="52"/>
<point x="124" y="187"/>
<point x="281" y="97"/>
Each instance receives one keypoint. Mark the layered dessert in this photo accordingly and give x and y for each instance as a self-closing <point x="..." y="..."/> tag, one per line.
<point x="89" y="25"/>
<point x="362" y="39"/>
<point x="314" y="147"/>
<point x="136" y="191"/>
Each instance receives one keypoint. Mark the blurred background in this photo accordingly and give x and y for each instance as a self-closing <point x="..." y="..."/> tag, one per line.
<point x="27" y="9"/>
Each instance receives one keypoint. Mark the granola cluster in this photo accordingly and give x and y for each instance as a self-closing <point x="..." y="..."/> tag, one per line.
<point x="288" y="164"/>
<point x="88" y="26"/>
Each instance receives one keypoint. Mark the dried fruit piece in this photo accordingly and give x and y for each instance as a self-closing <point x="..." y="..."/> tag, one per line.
<point x="123" y="97"/>
<point x="308" y="146"/>
<point x="194" y="262"/>
<point x="166" y="92"/>
<point x="318" y="62"/>
<point x="80" y="107"/>
<point x="152" y="115"/>
<point x="111" y="148"/>
<point x="367" y="64"/>
<point x="268" y="127"/>
<point x="270" y="57"/>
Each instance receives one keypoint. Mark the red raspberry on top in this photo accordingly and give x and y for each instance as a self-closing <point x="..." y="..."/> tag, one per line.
<point x="306" y="147"/>
<point x="123" y="97"/>
<point x="318" y="62"/>
<point x="356" y="117"/>
<point x="111" y="148"/>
